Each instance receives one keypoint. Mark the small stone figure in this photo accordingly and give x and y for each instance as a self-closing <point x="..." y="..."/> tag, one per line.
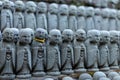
<point x="16" y="35"/>
<point x="39" y="52"/>
<point x="30" y="19"/>
<point x="79" y="50"/>
<point x="97" y="18"/>
<point x="113" y="50"/>
<point x="67" y="56"/>
<point x="23" y="62"/>
<point x="53" y="16"/>
<point x="98" y="75"/>
<point x="6" y="16"/>
<point x="112" y="74"/>
<point x="41" y="15"/>
<point x="97" y="3"/>
<point x="105" y="19"/>
<point x="63" y="17"/>
<point x="18" y="15"/>
<point x="81" y="22"/>
<point x="89" y="18"/>
<point x="118" y="20"/>
<point x="53" y="53"/>
<point x="67" y="78"/>
<point x="104" y="50"/>
<point x="93" y="37"/>
<point x="72" y="17"/>
<point x="7" y="55"/>
<point x="104" y="3"/>
<point x="112" y="19"/>
<point x="12" y="6"/>
<point x="85" y="76"/>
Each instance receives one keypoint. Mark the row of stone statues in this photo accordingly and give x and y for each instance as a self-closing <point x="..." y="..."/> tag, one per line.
<point x="26" y="52"/>
<point x="52" y="16"/>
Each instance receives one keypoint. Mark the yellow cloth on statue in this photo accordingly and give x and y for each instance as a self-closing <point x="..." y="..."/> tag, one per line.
<point x="40" y="40"/>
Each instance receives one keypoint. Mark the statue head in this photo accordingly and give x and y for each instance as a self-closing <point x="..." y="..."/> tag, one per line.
<point x="53" y="8"/>
<point x="72" y="10"/>
<point x="104" y="78"/>
<point x="85" y="76"/>
<point x="30" y="6"/>
<point x="112" y="74"/>
<point x="116" y="78"/>
<point x="49" y="79"/>
<point x="104" y="3"/>
<point x="81" y="11"/>
<point x="1" y="4"/>
<point x="31" y="32"/>
<point x="98" y="75"/>
<point x="16" y="34"/>
<point x="25" y="36"/>
<point x="6" y="4"/>
<point x="19" y="5"/>
<point x="118" y="14"/>
<point x="90" y="11"/>
<point x="41" y="33"/>
<point x="42" y="7"/>
<point x="104" y="36"/>
<point x="93" y="36"/>
<point x="55" y="36"/>
<point x="97" y="11"/>
<point x="8" y="35"/>
<point x="67" y="78"/>
<point x="12" y="5"/>
<point x="113" y="13"/>
<point x="105" y="12"/>
<point x="67" y="35"/>
<point x="114" y="36"/>
<point x="63" y="9"/>
<point x="80" y="35"/>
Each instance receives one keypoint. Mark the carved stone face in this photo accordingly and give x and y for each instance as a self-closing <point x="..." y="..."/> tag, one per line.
<point x="114" y="36"/>
<point x="105" y="12"/>
<point x="72" y="10"/>
<point x="113" y="13"/>
<point x="81" y="11"/>
<point x="16" y="34"/>
<point x="104" y="3"/>
<point x="105" y="36"/>
<point x="53" y="8"/>
<point x="8" y="35"/>
<point x="93" y="36"/>
<point x="90" y="11"/>
<point x="6" y="4"/>
<point x="67" y="35"/>
<point x="31" y="6"/>
<point x="42" y="7"/>
<point x="19" y="5"/>
<point x="1" y="3"/>
<point x="98" y="75"/>
<point x="41" y="33"/>
<point x="80" y="35"/>
<point x="63" y="9"/>
<point x="25" y="36"/>
<point x="85" y="76"/>
<point x="12" y="5"/>
<point x="97" y="11"/>
<point x="118" y="14"/>
<point x="55" y="36"/>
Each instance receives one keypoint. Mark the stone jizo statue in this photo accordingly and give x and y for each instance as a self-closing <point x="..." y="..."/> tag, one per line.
<point x="85" y="76"/>
<point x="98" y="75"/>
<point x="53" y="53"/>
<point x="79" y="51"/>
<point x="39" y="52"/>
<point x="67" y="56"/>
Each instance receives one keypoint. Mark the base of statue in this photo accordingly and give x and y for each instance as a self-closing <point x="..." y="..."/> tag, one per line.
<point x="114" y="67"/>
<point x="7" y="76"/>
<point x="93" y="69"/>
<point x="80" y="70"/>
<point x="54" y="73"/>
<point x="105" y="69"/>
<point x="23" y="76"/>
<point x="67" y="72"/>
<point x="38" y="74"/>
